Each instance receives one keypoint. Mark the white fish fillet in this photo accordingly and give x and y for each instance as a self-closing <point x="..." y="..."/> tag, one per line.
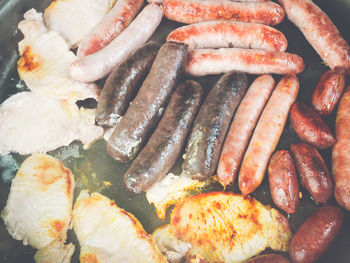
<point x="74" y="19"/>
<point x="32" y="122"/>
<point x="45" y="58"/>
<point x="39" y="207"/>
<point x="107" y="233"/>
<point x="55" y="253"/>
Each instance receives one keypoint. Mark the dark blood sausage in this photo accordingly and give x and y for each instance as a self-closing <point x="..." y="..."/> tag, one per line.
<point x="341" y="152"/>
<point x="208" y="61"/>
<point x="209" y="129"/>
<point x="313" y="172"/>
<point x="123" y="83"/>
<point x="316" y="234"/>
<point x="310" y="127"/>
<point x="283" y="181"/>
<point x="328" y="91"/>
<point x="319" y="31"/>
<point x="165" y="144"/>
<point x="269" y="258"/>
<point x="194" y="11"/>
<point x="140" y="118"/>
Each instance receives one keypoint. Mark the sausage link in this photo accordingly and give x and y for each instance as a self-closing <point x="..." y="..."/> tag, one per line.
<point x="269" y="258"/>
<point x="341" y="152"/>
<point x="310" y="127"/>
<point x="328" y="91"/>
<point x="122" y="85"/>
<point x="319" y="31"/>
<point x="267" y="133"/>
<point x="242" y="126"/>
<point x="165" y="144"/>
<point x="218" y="34"/>
<point x="283" y="181"/>
<point x="211" y="124"/>
<point x="194" y="11"/>
<point x="313" y="172"/>
<point x="316" y="234"/>
<point x="140" y="118"/>
<point x="118" y="18"/>
<point x="203" y="62"/>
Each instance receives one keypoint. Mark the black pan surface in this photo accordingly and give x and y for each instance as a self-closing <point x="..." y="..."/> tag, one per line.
<point x="92" y="167"/>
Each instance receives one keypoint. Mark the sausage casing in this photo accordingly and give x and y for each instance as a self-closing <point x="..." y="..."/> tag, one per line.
<point x="211" y="124"/>
<point x="269" y="258"/>
<point x="313" y="172"/>
<point x="316" y="234"/>
<point x="242" y="126"/>
<point x="266" y="134"/>
<point x="328" y="91"/>
<point x="122" y="85"/>
<point x="341" y="152"/>
<point x="310" y="127"/>
<point x="165" y="144"/>
<point x="283" y="181"/>
<point x="139" y="120"/>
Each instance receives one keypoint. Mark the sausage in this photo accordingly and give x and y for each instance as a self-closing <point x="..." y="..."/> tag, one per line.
<point x="203" y="62"/>
<point x="266" y="134"/>
<point x="341" y="152"/>
<point x="165" y="144"/>
<point x="217" y="34"/>
<point x="242" y="127"/>
<point x="313" y="172"/>
<point x="122" y="85"/>
<point x="211" y="124"/>
<point x="194" y="11"/>
<point x="141" y="117"/>
<point x="117" y="19"/>
<point x="269" y="258"/>
<point x="315" y="235"/>
<point x="283" y="181"/>
<point x="101" y="63"/>
<point x="319" y="31"/>
<point x="328" y="91"/>
<point x="310" y="127"/>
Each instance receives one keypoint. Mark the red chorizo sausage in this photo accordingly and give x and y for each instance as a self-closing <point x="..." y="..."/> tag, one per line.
<point x="309" y="126"/>
<point x="283" y="181"/>
<point x="316" y="234"/>
<point x="267" y="133"/>
<point x="313" y="172"/>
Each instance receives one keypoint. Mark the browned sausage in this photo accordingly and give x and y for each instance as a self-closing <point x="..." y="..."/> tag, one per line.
<point x="341" y="152"/>
<point x="310" y="127"/>
<point x="313" y="172"/>
<point x="284" y="187"/>
<point x="328" y="91"/>
<point x="269" y="258"/>
<point x="316" y="234"/>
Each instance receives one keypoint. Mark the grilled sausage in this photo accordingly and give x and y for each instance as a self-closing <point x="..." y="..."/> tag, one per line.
<point x="203" y="62"/>
<point x="283" y="181"/>
<point x="209" y="129"/>
<point x="328" y="91"/>
<point x="140" y="118"/>
<point x="194" y="11"/>
<point x="242" y="127"/>
<point x="313" y="172"/>
<point x="269" y="258"/>
<point x="122" y="85"/>
<point x="341" y="152"/>
<point x="117" y="19"/>
<point x="217" y="34"/>
<point x="316" y="234"/>
<point x="165" y="144"/>
<point x="267" y="133"/>
<point x="319" y="31"/>
<point x="309" y="126"/>
<point x="101" y="63"/>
